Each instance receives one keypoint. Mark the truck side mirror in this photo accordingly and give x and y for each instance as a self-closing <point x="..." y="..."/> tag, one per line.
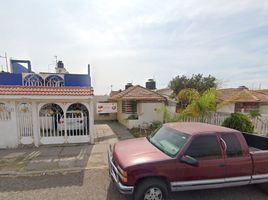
<point x="189" y="160"/>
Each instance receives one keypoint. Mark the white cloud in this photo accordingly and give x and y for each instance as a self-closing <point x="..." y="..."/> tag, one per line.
<point x="135" y="40"/>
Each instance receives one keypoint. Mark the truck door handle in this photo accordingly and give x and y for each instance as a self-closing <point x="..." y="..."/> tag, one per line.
<point x="221" y="165"/>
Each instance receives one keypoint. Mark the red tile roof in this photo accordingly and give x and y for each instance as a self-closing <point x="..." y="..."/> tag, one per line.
<point x="38" y="90"/>
<point x="242" y="95"/>
<point x="138" y="92"/>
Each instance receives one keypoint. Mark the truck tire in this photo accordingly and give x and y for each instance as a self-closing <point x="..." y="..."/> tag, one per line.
<point x="264" y="187"/>
<point x="151" y="189"/>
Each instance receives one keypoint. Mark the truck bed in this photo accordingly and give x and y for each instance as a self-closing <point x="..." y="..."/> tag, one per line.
<point x="253" y="149"/>
<point x="256" y="142"/>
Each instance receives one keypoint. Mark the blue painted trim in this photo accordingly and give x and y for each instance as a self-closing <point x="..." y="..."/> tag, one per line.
<point x="82" y="80"/>
<point x="10" y="79"/>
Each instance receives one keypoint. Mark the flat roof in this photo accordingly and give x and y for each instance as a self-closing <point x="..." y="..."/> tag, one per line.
<point x="194" y="128"/>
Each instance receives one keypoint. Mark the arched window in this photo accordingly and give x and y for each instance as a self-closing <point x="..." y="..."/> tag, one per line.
<point x="33" y="80"/>
<point x="54" y="81"/>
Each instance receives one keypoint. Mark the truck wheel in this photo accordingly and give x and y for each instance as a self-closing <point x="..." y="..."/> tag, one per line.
<point x="264" y="187"/>
<point x="151" y="189"/>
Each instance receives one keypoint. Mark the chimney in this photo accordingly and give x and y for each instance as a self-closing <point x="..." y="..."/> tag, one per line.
<point x="150" y="84"/>
<point x="128" y="85"/>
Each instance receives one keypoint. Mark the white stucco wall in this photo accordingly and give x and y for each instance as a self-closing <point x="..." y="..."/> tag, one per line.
<point x="146" y="111"/>
<point x="121" y="117"/>
<point x="9" y="133"/>
<point x="264" y="109"/>
<point x="8" y="129"/>
<point x="149" y="112"/>
<point x="229" y="108"/>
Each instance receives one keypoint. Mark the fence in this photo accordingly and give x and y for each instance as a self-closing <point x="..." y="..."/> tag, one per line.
<point x="260" y="127"/>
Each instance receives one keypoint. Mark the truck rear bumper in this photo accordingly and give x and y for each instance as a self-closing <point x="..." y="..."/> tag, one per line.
<point x="113" y="171"/>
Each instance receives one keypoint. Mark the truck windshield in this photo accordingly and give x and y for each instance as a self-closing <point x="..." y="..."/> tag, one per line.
<point x="168" y="140"/>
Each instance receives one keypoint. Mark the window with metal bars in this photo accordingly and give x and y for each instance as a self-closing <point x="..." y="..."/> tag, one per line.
<point x="129" y="107"/>
<point x="5" y="113"/>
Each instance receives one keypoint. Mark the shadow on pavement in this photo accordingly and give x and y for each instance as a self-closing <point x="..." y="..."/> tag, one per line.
<point x="44" y="167"/>
<point x="113" y="194"/>
<point x="104" y="138"/>
<point x="41" y="182"/>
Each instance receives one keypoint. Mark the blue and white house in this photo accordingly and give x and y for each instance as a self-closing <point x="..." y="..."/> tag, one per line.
<point x="44" y="108"/>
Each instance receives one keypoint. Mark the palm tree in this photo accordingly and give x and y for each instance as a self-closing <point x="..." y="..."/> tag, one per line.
<point x="202" y="106"/>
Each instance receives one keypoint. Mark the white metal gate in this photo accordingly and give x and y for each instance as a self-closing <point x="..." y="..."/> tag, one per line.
<point x="25" y="123"/>
<point x="77" y="127"/>
<point x="50" y="131"/>
<point x="55" y="129"/>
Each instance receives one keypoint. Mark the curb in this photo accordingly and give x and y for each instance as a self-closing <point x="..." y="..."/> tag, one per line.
<point x="49" y="172"/>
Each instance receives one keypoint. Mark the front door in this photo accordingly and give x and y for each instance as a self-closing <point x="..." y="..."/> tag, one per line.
<point x="211" y="169"/>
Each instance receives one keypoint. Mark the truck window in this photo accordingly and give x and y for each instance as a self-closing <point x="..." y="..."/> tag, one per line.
<point x="233" y="145"/>
<point x="168" y="140"/>
<point x="205" y="147"/>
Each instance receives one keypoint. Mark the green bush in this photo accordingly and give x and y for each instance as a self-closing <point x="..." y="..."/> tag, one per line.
<point x="156" y="124"/>
<point x="239" y="122"/>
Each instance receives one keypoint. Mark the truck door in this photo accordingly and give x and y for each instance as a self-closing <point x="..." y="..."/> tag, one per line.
<point x="209" y="173"/>
<point x="238" y="162"/>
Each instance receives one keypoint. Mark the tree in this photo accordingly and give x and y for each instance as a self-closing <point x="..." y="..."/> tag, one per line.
<point x="186" y="96"/>
<point x="202" y="106"/>
<point x="197" y="81"/>
<point x="239" y="122"/>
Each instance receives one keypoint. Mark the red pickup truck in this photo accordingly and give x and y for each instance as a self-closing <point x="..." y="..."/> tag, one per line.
<point x="187" y="156"/>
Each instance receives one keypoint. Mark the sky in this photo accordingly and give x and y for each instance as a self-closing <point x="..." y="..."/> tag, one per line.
<point x="134" y="40"/>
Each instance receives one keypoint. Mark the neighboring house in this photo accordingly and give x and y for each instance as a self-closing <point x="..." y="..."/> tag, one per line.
<point x="44" y="108"/>
<point x="172" y="104"/>
<point x="138" y="106"/>
<point x="242" y="100"/>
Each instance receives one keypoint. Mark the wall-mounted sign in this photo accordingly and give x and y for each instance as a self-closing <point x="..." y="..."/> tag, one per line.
<point x="106" y="107"/>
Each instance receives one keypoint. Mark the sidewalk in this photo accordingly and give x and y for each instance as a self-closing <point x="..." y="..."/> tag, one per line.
<point x="64" y="158"/>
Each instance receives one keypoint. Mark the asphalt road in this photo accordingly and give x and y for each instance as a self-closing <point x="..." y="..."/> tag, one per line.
<point x="94" y="184"/>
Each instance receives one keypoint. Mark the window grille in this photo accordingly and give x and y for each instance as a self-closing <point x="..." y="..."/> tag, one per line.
<point x="129" y="107"/>
<point x="5" y="113"/>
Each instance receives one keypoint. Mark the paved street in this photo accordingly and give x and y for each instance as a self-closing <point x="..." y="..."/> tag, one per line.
<point x="95" y="184"/>
<point x="92" y="182"/>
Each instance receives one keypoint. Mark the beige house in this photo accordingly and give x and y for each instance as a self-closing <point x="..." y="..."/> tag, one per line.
<point x="243" y="100"/>
<point x="172" y="104"/>
<point x="138" y="106"/>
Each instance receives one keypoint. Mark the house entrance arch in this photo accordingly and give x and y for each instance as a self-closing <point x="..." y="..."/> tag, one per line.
<point x="51" y="131"/>
<point x="77" y="123"/>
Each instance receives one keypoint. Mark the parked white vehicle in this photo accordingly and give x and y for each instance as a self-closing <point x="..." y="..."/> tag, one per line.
<point x="74" y="121"/>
